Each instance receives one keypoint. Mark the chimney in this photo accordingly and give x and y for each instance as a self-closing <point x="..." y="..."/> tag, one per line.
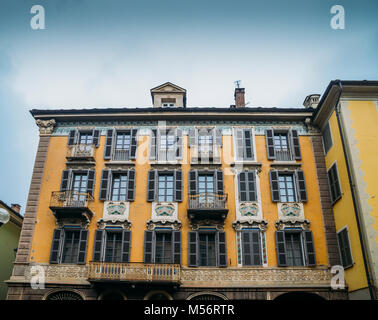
<point x="311" y="101"/>
<point x="239" y="97"/>
<point x="16" y="207"/>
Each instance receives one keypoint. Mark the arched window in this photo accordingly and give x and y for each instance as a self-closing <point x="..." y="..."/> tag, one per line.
<point x="64" y="295"/>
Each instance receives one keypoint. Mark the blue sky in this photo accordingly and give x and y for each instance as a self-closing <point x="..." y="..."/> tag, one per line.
<point x="110" y="53"/>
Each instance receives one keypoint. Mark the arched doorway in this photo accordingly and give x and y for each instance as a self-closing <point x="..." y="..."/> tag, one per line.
<point x="299" y="296"/>
<point x="64" y="295"/>
<point x="207" y="296"/>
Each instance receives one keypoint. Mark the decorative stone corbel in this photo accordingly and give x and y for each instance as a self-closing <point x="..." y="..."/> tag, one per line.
<point x="153" y="224"/>
<point x="46" y="127"/>
<point x="238" y="225"/>
<point x="125" y="224"/>
<point x="295" y="223"/>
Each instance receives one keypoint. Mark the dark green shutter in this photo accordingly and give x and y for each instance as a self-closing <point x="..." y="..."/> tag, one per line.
<point x="90" y="181"/>
<point x="176" y="247"/>
<point x="251" y="248"/>
<point x="105" y="182"/>
<point x="310" y="249"/>
<point x="96" y="137"/>
<point x="269" y="137"/>
<point x="251" y="185"/>
<point x="151" y="185"/>
<point x="193" y="182"/>
<point x="219" y="182"/>
<point x="178" y="186"/>
<point x="82" y="253"/>
<point x="242" y="179"/>
<point x="72" y="137"/>
<point x="126" y="243"/>
<point x="295" y="145"/>
<point x="274" y="185"/>
<point x="56" y="245"/>
<point x="148" y="256"/>
<point x="248" y="144"/>
<point x="108" y="144"/>
<point x="134" y="143"/>
<point x="301" y="186"/>
<point x="193" y="249"/>
<point x="131" y="185"/>
<point x="153" y="140"/>
<point x="281" y="249"/>
<point x="179" y="144"/>
<point x="65" y="183"/>
<point x="98" y="245"/>
<point x="222" y="248"/>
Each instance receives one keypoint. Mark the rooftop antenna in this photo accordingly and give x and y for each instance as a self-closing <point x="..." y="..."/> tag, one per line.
<point x="237" y="83"/>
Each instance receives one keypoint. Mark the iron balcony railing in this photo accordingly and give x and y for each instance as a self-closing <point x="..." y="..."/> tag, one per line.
<point x="207" y="201"/>
<point x="283" y="155"/>
<point x="70" y="199"/>
<point x="81" y="151"/>
<point x="134" y="272"/>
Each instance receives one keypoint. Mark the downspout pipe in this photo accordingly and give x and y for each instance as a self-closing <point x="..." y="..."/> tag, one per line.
<point x="353" y="192"/>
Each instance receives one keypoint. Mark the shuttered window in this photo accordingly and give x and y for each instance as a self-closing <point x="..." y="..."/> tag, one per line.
<point x="294" y="252"/>
<point x="166" y="145"/>
<point x="164" y="186"/>
<point x="283" y="145"/>
<point x="327" y="138"/>
<point x="91" y="137"/>
<point x="251" y="247"/>
<point x="120" y="145"/>
<point x="288" y="187"/>
<point x="344" y="246"/>
<point x="247" y="186"/>
<point x="162" y="246"/>
<point x="117" y="185"/>
<point x="74" y="247"/>
<point x="113" y="247"/>
<point x="334" y="183"/>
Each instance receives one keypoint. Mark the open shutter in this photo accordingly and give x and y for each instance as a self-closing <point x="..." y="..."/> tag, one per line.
<point x="178" y="186"/>
<point x="65" y="183"/>
<point x="82" y="253"/>
<point x="126" y="241"/>
<point x="72" y="137"/>
<point x="222" y="248"/>
<point x="105" y="182"/>
<point x="153" y="138"/>
<point x="179" y="143"/>
<point x="274" y="186"/>
<point x="98" y="245"/>
<point x="176" y="247"/>
<point x="271" y="152"/>
<point x="151" y="188"/>
<point x="251" y="186"/>
<point x="193" y="182"/>
<point x="248" y="144"/>
<point x="109" y="144"/>
<point x="55" y="246"/>
<point x="148" y="256"/>
<point x="239" y="146"/>
<point x="131" y="185"/>
<point x="193" y="144"/>
<point x="309" y="246"/>
<point x="91" y="181"/>
<point x="301" y="186"/>
<point x="96" y="137"/>
<point x="193" y="250"/>
<point x="281" y="249"/>
<point x="219" y="182"/>
<point x="295" y="145"/>
<point x="192" y="137"/>
<point x="242" y="180"/>
<point x="133" y="144"/>
<point x="161" y="153"/>
<point x="217" y="144"/>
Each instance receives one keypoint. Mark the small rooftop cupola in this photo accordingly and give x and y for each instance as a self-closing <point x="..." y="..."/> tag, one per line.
<point x="168" y="95"/>
<point x="311" y="101"/>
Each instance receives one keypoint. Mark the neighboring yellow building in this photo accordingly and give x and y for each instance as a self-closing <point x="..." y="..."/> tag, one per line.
<point x="348" y="117"/>
<point x="171" y="202"/>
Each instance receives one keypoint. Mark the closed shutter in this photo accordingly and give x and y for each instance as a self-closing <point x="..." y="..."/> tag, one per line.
<point x="178" y="186"/>
<point x="248" y="144"/>
<point x="96" y="137"/>
<point x="281" y="249"/>
<point x="242" y="179"/>
<point x="153" y="138"/>
<point x="309" y="247"/>
<point x="151" y="187"/>
<point x="126" y="242"/>
<point x="274" y="186"/>
<point x="193" y="252"/>
<point x="82" y="253"/>
<point x="239" y="145"/>
<point x="193" y="182"/>
<point x="179" y="144"/>
<point x="131" y="185"/>
<point x="271" y="152"/>
<point x="91" y="181"/>
<point x="301" y="186"/>
<point x="72" y="137"/>
<point x="105" y="183"/>
<point x="176" y="247"/>
<point x="217" y="145"/>
<point x="56" y="245"/>
<point x="109" y="144"/>
<point x="251" y="248"/>
<point x="149" y="243"/>
<point x="134" y="143"/>
<point x="295" y="145"/>
<point x="98" y="245"/>
<point x="251" y="186"/>
<point x="222" y="249"/>
<point x="219" y="182"/>
<point x="65" y="183"/>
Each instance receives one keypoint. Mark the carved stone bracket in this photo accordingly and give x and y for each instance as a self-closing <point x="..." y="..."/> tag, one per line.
<point x="153" y="224"/>
<point x="46" y="127"/>
<point x="219" y="225"/>
<point x="102" y="224"/>
<point x="310" y="127"/>
<point x="238" y="225"/>
<point x="246" y="166"/>
<point x="295" y="223"/>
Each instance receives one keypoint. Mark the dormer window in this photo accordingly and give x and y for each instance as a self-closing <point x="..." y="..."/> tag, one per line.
<point x="168" y="105"/>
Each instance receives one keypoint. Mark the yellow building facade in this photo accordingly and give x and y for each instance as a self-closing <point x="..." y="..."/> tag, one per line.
<point x="348" y="117"/>
<point x="171" y="202"/>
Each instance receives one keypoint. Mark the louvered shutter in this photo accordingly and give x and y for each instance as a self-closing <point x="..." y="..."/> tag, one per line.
<point x="176" y="247"/>
<point x="179" y="143"/>
<point x="295" y="145"/>
<point x="222" y="249"/>
<point x="248" y="144"/>
<point x="178" y="186"/>
<point x="98" y="245"/>
<point x="90" y="181"/>
<point x="301" y="186"/>
<point x="105" y="183"/>
<point x="193" y="144"/>
<point x="149" y="243"/>
<point x="310" y="249"/>
<point x="153" y="138"/>
<point x="193" y="182"/>
<point x="239" y="145"/>
<point x="131" y="185"/>
<point x="65" y="183"/>
<point x="271" y="152"/>
<point x="217" y="144"/>
<point x="72" y="137"/>
<point x="219" y="182"/>
<point x="151" y="187"/>
<point x="242" y="179"/>
<point x="82" y="253"/>
<point x="251" y="186"/>
<point x="109" y="144"/>
<point x="193" y="249"/>
<point x="133" y="144"/>
<point x="96" y="137"/>
<point x="192" y="137"/>
<point x="281" y="249"/>
<point x="56" y="245"/>
<point x="126" y="242"/>
<point x="274" y="185"/>
<point x="251" y="248"/>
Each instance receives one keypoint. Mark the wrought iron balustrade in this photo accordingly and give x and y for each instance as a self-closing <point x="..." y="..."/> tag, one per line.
<point x="70" y="199"/>
<point x="283" y="155"/>
<point x="208" y="201"/>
